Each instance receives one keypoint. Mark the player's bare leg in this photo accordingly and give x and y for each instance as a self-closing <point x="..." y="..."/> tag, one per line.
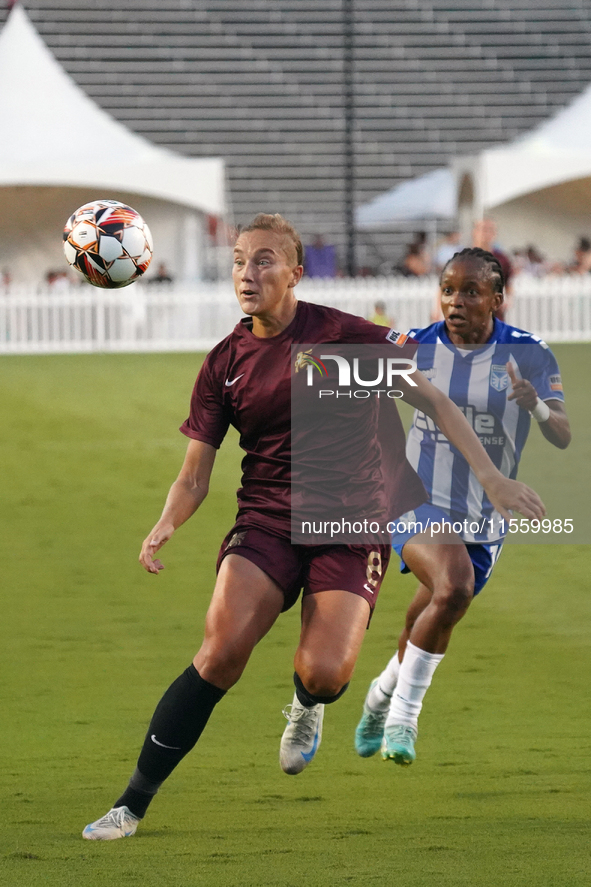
<point x="370" y="730"/>
<point x="334" y="624"/>
<point x="333" y="628"/>
<point x="235" y="623"/>
<point x="395" y="698"/>
<point x="420" y="602"/>
<point x="446" y="571"/>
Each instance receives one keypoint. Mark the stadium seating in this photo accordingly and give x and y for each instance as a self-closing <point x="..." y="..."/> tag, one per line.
<point x="260" y="83"/>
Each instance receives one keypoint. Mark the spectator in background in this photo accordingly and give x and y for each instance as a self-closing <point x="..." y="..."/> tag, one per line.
<point x="414" y="262"/>
<point x="379" y="315"/>
<point x="57" y="281"/>
<point x="420" y="239"/>
<point x="484" y="236"/>
<point x="321" y="259"/>
<point x="5" y="278"/>
<point x="530" y="261"/>
<point x="449" y="246"/>
<point x="162" y="275"/>
<point x="581" y="263"/>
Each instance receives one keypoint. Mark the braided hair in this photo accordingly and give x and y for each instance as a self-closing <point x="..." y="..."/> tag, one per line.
<point x="475" y="252"/>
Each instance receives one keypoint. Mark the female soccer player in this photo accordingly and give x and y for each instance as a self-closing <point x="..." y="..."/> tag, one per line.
<point x="245" y="381"/>
<point x="498" y="387"/>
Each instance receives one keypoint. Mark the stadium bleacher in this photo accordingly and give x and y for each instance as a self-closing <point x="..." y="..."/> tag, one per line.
<point x="260" y="84"/>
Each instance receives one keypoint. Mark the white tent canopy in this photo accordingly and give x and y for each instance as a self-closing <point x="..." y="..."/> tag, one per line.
<point x="558" y="150"/>
<point x="430" y="196"/>
<point x="53" y="134"/>
<point x="537" y="187"/>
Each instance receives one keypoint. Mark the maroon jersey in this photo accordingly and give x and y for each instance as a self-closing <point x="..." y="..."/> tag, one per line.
<point x="245" y="381"/>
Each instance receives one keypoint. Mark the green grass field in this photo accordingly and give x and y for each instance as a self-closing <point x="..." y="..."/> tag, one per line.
<point x="499" y="794"/>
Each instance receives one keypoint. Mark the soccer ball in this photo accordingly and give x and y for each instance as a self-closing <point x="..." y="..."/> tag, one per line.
<point x="108" y="242"/>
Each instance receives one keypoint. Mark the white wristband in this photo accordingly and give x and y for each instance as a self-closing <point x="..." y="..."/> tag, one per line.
<point x="541" y="413"/>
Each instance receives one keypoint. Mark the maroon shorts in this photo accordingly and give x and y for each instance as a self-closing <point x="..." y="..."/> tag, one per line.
<point x="313" y="568"/>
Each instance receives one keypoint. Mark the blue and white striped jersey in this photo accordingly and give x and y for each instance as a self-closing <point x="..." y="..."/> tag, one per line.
<point x="477" y="381"/>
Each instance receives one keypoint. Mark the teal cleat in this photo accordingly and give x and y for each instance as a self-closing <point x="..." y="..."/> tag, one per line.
<point x="398" y="744"/>
<point x="370" y="730"/>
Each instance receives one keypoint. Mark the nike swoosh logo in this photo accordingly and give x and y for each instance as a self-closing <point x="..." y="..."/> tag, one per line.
<point x="308" y="755"/>
<point x="228" y="383"/>
<point x="161" y="744"/>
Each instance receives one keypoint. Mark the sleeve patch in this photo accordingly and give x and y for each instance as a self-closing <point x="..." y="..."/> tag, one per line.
<point x="555" y="383"/>
<point x="396" y="338"/>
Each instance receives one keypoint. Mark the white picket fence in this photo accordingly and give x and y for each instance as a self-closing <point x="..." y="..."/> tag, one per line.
<point x="177" y="318"/>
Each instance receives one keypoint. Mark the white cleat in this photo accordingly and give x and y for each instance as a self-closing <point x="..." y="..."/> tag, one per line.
<point x="119" y="822"/>
<point x="301" y="737"/>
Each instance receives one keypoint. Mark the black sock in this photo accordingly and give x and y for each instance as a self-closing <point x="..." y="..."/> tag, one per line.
<point x="308" y="699"/>
<point x="176" y="725"/>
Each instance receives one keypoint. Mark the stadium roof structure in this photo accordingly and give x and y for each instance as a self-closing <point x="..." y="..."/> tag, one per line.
<point x="53" y="134"/>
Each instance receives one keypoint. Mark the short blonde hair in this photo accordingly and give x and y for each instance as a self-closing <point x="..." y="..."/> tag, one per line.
<point x="275" y="222"/>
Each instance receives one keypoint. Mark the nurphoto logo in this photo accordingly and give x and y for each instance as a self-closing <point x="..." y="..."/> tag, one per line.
<point x="349" y="374"/>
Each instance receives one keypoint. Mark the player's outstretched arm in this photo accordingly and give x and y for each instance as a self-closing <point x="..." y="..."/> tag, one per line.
<point x="184" y="498"/>
<point x="555" y="426"/>
<point x="504" y="493"/>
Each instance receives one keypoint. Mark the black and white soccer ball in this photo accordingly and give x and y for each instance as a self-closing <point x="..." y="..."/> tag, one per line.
<point x="108" y="242"/>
